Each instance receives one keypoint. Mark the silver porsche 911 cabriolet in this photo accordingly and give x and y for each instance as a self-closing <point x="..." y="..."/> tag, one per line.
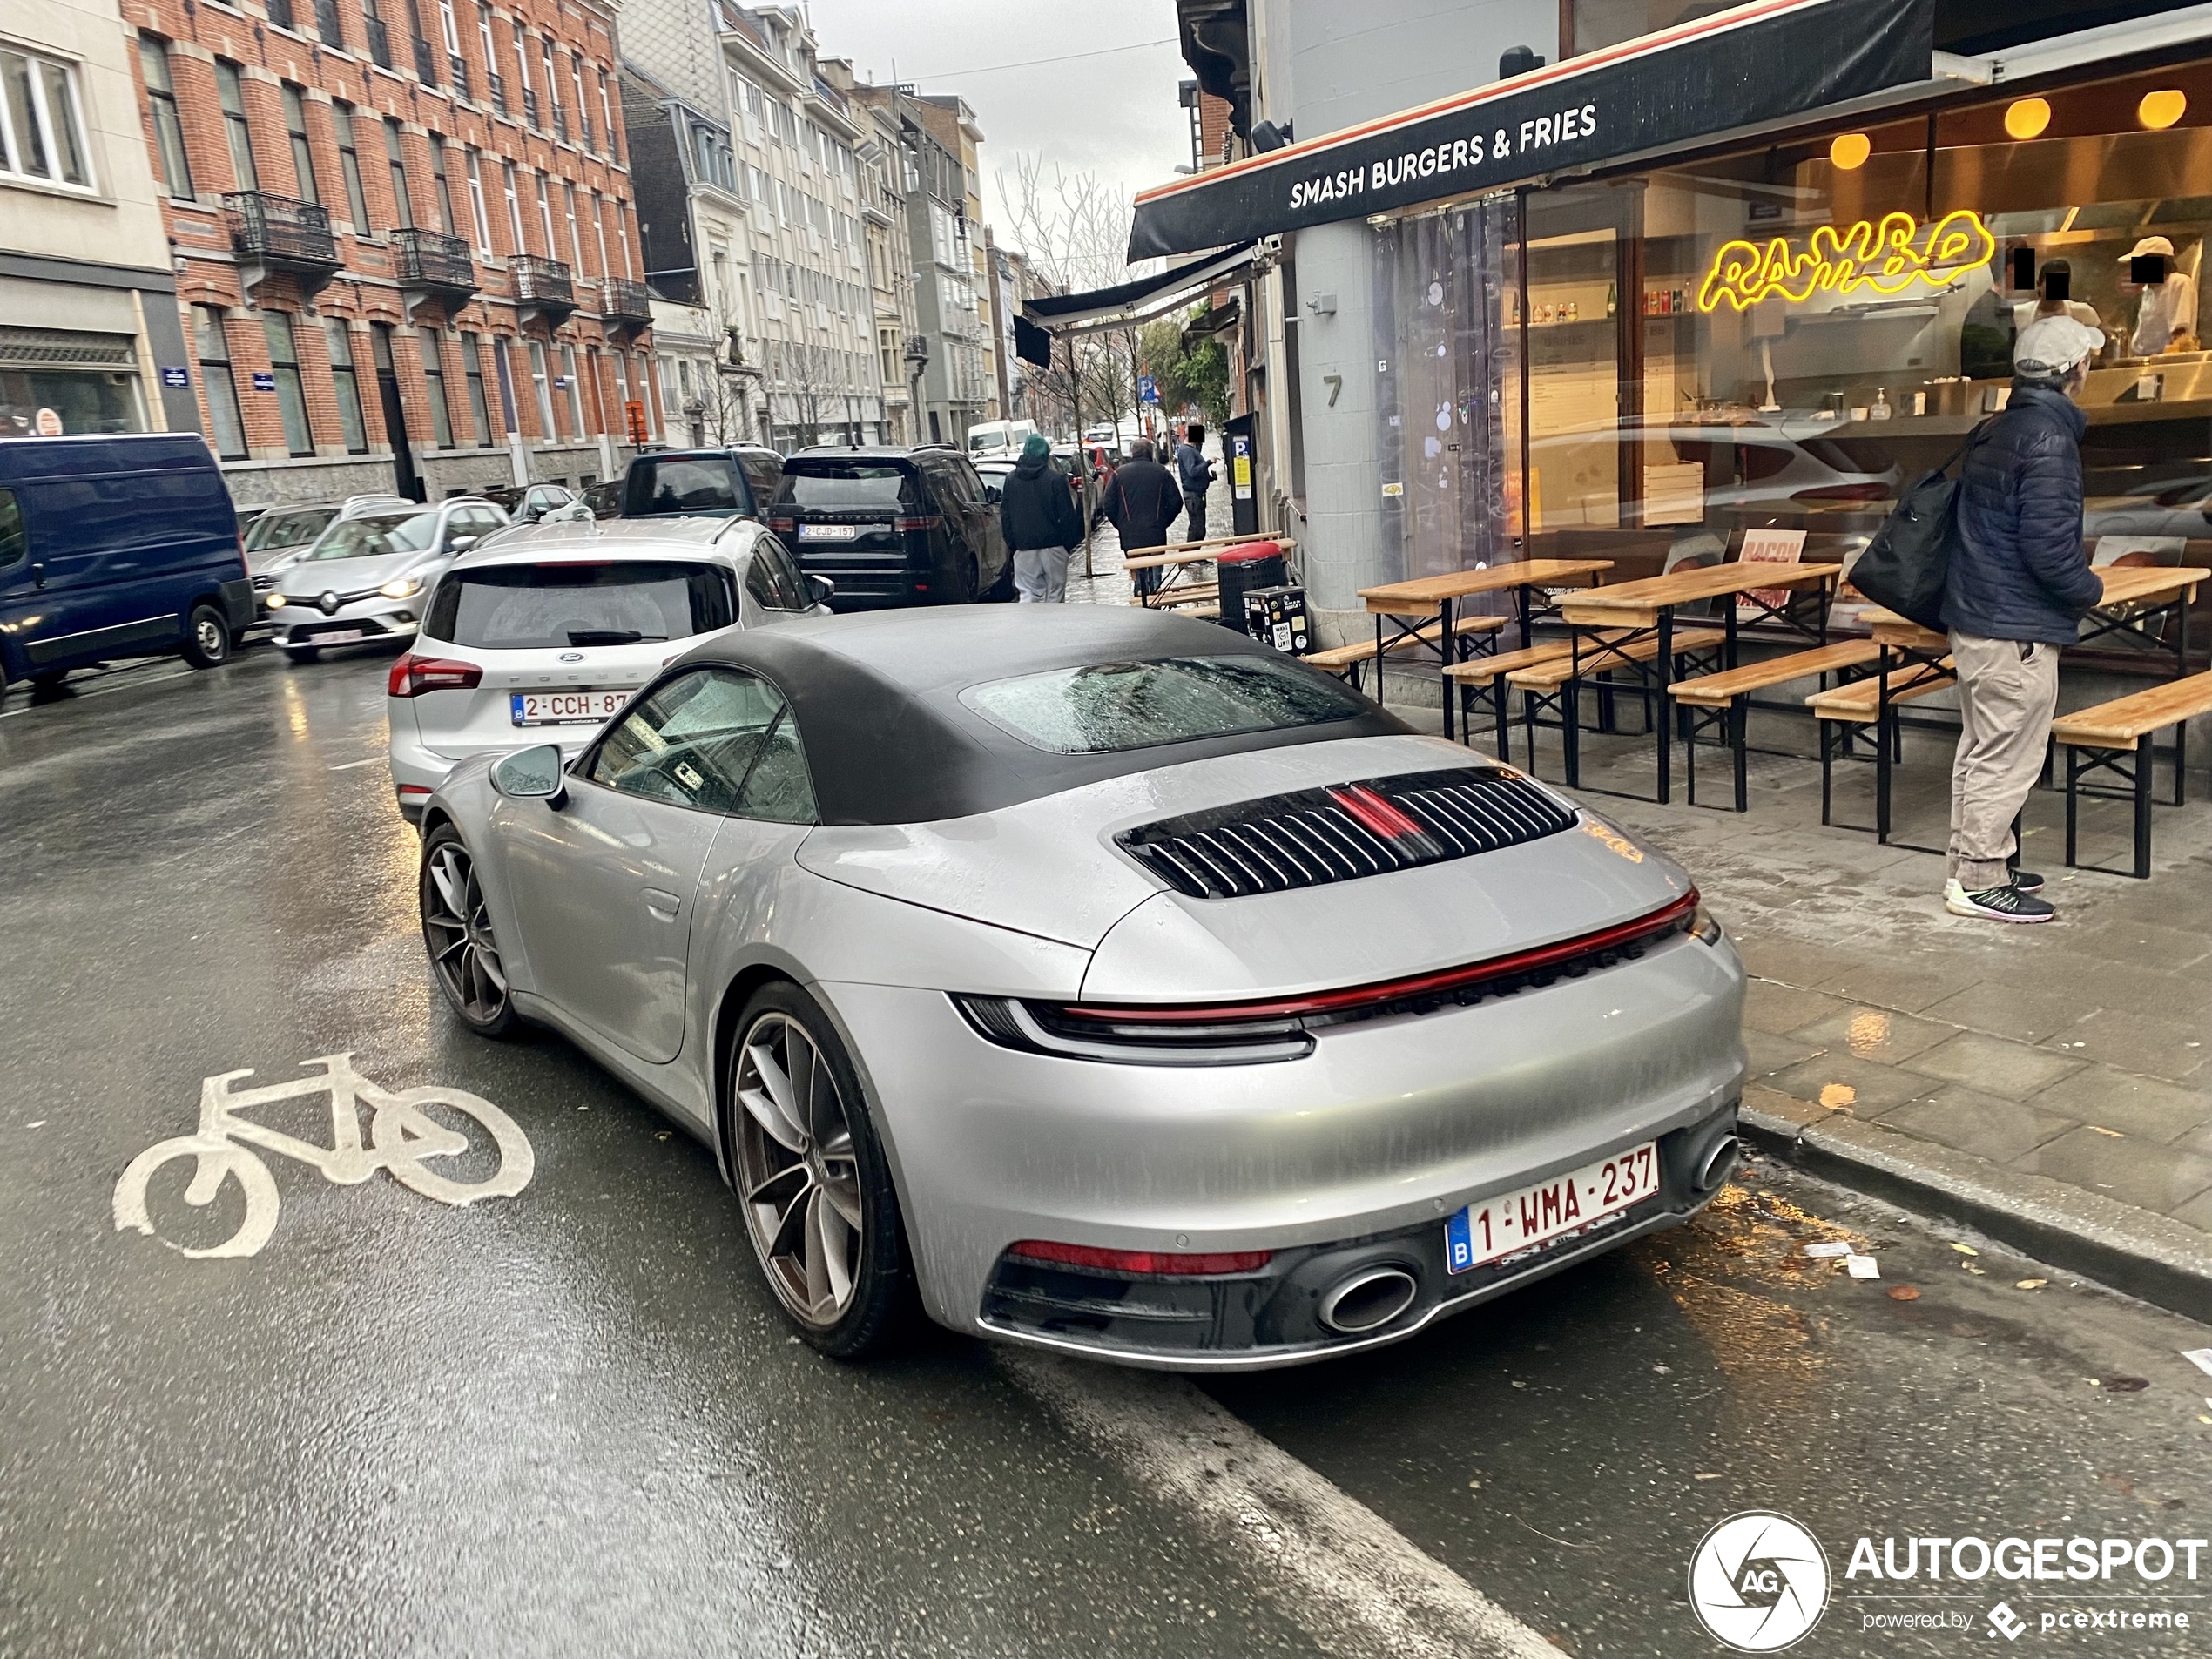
<point x="1100" y="980"/>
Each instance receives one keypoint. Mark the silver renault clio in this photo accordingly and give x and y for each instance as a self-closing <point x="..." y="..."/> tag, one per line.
<point x="1100" y="979"/>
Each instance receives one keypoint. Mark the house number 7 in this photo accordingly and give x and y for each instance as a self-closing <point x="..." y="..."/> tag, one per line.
<point x="1335" y="383"/>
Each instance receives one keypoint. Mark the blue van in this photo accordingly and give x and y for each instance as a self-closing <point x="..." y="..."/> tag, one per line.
<point x="116" y="546"/>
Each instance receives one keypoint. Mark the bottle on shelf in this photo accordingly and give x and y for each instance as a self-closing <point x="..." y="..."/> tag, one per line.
<point x="1880" y="408"/>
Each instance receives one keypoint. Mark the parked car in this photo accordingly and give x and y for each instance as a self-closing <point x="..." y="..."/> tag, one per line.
<point x="527" y="503"/>
<point x="1102" y="981"/>
<point x="998" y="437"/>
<point x="738" y="481"/>
<point x="116" y="546"/>
<point x="546" y="633"/>
<point x="367" y="579"/>
<point x="604" y="499"/>
<point x="994" y="470"/>
<point x="281" y="535"/>
<point x="1750" y="466"/>
<point x="894" y="526"/>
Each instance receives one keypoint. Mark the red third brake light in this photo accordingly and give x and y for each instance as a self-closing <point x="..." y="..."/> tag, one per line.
<point x="1151" y="1262"/>
<point x="930" y="522"/>
<point x="412" y="676"/>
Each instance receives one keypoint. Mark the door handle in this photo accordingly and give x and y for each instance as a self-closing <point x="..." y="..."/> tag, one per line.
<point x="662" y="905"/>
<point x="38" y="576"/>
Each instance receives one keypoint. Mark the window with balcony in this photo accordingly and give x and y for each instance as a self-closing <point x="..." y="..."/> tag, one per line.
<point x="380" y="38"/>
<point x="396" y="159"/>
<point x="303" y="159"/>
<point x="168" y="131"/>
<point x="513" y="206"/>
<point x="232" y="96"/>
<point x="447" y="221"/>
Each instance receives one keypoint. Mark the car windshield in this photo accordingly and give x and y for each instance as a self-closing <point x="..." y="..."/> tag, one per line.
<point x="542" y="607"/>
<point x="1111" y="706"/>
<point x="368" y="538"/>
<point x="288" y="529"/>
<point x="846" y="487"/>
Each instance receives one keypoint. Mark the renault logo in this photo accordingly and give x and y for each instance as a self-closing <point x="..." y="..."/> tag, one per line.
<point x="329" y="604"/>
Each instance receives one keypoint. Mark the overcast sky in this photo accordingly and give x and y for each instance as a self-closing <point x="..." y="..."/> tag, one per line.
<point x="1113" y="113"/>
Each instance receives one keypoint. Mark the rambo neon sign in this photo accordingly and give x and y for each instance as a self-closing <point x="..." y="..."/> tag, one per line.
<point x="1887" y="258"/>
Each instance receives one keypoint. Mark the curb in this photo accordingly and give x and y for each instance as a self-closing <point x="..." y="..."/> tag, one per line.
<point x="2148" y="1256"/>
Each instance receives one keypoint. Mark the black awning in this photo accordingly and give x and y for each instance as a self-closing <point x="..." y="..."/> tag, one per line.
<point x="1134" y="301"/>
<point x="1031" y="343"/>
<point x="1762" y="62"/>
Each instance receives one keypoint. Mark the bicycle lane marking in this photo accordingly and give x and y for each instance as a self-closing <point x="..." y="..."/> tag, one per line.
<point x="402" y="1136"/>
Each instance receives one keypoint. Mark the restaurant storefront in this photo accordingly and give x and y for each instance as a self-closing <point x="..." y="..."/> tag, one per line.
<point x="1727" y="346"/>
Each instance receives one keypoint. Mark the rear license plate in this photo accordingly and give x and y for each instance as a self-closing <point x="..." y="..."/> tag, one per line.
<point x="336" y="637"/>
<point x="1550" y="1211"/>
<point x="829" y="532"/>
<point x="564" y="708"/>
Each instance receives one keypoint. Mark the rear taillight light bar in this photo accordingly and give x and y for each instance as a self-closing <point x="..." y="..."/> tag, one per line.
<point x="412" y="676"/>
<point x="1147" y="1263"/>
<point x="928" y="523"/>
<point x="783" y="526"/>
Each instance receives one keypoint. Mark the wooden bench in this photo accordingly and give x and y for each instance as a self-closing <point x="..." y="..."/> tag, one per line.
<point x="1196" y="593"/>
<point x="1860" y="703"/>
<point x="1555" y="682"/>
<point x="2096" y="739"/>
<point x="1485" y="677"/>
<point x="1345" y="660"/>
<point x="1725" y="700"/>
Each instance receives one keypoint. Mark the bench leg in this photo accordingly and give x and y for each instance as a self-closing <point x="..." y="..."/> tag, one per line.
<point x="2146" y="764"/>
<point x="2181" y="763"/>
<point x="2072" y="800"/>
<point x="1740" y="735"/>
<point x="1882" y="764"/>
<point x="1570" y="720"/>
<point x="1827" y="773"/>
<point x="1499" y="697"/>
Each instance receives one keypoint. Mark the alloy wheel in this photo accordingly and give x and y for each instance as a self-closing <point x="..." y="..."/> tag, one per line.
<point x="458" y="926"/>
<point x="797" y="1170"/>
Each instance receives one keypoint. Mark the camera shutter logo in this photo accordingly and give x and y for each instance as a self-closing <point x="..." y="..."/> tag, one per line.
<point x="1758" y="1582"/>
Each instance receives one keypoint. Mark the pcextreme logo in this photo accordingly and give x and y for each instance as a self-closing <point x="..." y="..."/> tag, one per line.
<point x="1758" y="1582"/>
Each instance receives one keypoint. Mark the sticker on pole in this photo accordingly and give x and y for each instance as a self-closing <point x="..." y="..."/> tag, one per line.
<point x="410" y="1132"/>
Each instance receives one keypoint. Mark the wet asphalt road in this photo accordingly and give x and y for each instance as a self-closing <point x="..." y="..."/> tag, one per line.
<point x="571" y="1421"/>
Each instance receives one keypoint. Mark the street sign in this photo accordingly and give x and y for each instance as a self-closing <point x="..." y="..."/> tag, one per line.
<point x="179" y="378"/>
<point x="264" y="382"/>
<point x="1147" y="389"/>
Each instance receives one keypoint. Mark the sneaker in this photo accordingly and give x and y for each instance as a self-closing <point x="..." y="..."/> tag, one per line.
<point x="1998" y="904"/>
<point x="2026" y="882"/>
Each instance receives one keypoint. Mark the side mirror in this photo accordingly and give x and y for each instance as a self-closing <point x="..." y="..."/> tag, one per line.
<point x="461" y="543"/>
<point x="822" y="588"/>
<point x="531" y="774"/>
<point x="991" y="494"/>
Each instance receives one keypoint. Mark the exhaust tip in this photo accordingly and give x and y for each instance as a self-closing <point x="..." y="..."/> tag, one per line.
<point x="1718" y="1165"/>
<point x="1368" y="1300"/>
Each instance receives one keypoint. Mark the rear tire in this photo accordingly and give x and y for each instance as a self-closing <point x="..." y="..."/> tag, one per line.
<point x="1002" y="590"/>
<point x="207" y="638"/>
<point x="49" y="684"/>
<point x="813" y="1181"/>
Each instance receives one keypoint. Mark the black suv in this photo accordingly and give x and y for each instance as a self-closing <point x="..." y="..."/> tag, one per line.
<point x="735" y="482"/>
<point x="893" y="527"/>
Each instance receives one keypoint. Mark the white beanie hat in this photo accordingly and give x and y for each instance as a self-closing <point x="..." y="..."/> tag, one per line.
<point x="2047" y="348"/>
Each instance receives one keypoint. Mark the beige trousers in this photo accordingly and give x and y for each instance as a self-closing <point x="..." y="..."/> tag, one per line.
<point x="2007" y="691"/>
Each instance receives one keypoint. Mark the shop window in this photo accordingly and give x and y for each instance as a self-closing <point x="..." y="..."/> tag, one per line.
<point x="473" y="357"/>
<point x="347" y="385"/>
<point x="434" y="377"/>
<point x="41" y="129"/>
<point x="168" y="131"/>
<point x="215" y="379"/>
<point x="349" y="164"/>
<point x="284" y="361"/>
<point x="303" y="160"/>
<point x="232" y="96"/>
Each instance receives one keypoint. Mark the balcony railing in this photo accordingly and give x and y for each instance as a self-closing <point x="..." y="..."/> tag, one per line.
<point x="429" y="260"/>
<point x="379" y="40"/>
<point x="529" y="104"/>
<point x="543" y="283"/>
<point x="457" y="71"/>
<point x="560" y="123"/>
<point x="630" y="300"/>
<point x="584" y="120"/>
<point x="498" y="83"/>
<point x="327" y="25"/>
<point x="426" y="62"/>
<point x="278" y="231"/>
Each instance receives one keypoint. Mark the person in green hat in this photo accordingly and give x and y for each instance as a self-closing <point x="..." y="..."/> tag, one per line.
<point x="1042" y="528"/>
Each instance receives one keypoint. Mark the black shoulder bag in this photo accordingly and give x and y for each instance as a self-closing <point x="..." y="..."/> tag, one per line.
<point x="1904" y="567"/>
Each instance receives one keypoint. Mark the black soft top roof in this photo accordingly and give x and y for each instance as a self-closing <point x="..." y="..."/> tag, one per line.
<point x="889" y="741"/>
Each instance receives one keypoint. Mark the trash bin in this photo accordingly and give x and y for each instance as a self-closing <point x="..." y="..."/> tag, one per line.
<point x="1245" y="567"/>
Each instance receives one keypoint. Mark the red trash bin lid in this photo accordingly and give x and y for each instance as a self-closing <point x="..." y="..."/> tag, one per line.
<point x="1248" y="552"/>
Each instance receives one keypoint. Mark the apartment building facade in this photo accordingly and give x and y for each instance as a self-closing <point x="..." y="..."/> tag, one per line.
<point x="406" y="249"/>
<point x="884" y="172"/>
<point x="89" y="331"/>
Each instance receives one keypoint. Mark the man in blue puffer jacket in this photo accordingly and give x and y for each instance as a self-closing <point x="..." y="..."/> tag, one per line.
<point x="2020" y="583"/>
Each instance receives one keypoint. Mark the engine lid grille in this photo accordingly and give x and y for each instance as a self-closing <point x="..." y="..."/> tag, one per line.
<point x="1311" y="837"/>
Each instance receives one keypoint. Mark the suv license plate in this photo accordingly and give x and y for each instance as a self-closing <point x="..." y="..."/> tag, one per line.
<point x="1550" y="1211"/>
<point x="830" y="532"/>
<point x="564" y="708"/>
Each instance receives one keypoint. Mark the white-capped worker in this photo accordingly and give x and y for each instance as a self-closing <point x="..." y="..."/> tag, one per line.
<point x="2020" y="583"/>
<point x="2169" y="306"/>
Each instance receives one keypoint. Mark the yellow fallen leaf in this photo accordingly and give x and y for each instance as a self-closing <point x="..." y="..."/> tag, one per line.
<point x="1966" y="1250"/>
<point x="2113" y="1133"/>
<point x="2201" y="1418"/>
<point x="1976" y="1272"/>
<point x="1716" y="1477"/>
<point x="2031" y="1284"/>
<point x="1837" y="1097"/>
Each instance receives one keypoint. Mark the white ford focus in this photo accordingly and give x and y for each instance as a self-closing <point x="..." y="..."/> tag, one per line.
<point x="543" y="635"/>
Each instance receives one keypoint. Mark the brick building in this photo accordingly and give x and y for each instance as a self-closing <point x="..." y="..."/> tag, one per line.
<point x="405" y="241"/>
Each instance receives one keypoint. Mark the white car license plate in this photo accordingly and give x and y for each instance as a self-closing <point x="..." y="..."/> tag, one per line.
<point x="335" y="636"/>
<point x="1566" y="1204"/>
<point x="828" y="532"/>
<point x="565" y="708"/>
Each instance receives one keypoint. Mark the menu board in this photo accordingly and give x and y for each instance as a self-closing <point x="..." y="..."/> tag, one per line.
<point x="1771" y="547"/>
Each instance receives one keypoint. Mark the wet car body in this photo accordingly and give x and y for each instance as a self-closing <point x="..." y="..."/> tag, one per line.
<point x="367" y="577"/>
<point x="1135" y="1099"/>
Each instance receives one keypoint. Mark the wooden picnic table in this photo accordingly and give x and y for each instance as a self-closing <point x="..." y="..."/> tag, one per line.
<point x="1423" y="597"/>
<point x="1649" y="605"/>
<point x="1175" y="555"/>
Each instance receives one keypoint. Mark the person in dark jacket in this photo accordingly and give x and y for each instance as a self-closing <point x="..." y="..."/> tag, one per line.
<point x="1142" y="501"/>
<point x="1194" y="472"/>
<point x="2018" y="586"/>
<point x="1042" y="523"/>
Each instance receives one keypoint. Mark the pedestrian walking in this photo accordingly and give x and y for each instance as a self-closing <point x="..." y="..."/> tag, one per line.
<point x="2018" y="586"/>
<point x="1194" y="473"/>
<point x="1142" y="501"/>
<point x="1043" y="525"/>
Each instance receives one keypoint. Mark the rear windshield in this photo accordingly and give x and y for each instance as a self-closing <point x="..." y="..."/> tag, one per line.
<point x="288" y="529"/>
<point x="1112" y="706"/>
<point x="364" y="538"/>
<point x="542" y="607"/>
<point x="846" y="487"/>
<point x="683" y="484"/>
